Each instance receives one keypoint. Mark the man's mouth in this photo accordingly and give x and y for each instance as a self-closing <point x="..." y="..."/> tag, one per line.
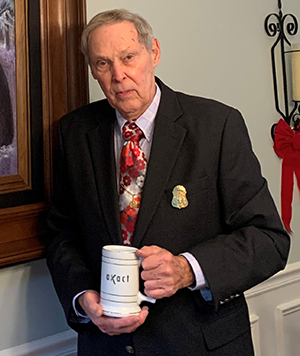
<point x="125" y="93"/>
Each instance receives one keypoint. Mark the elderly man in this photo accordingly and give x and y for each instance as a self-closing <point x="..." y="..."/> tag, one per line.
<point x="201" y="214"/>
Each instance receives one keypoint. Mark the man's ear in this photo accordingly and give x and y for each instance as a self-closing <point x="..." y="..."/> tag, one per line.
<point x="155" y="52"/>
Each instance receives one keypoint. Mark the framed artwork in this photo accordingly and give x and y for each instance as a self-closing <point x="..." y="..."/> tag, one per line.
<point x="42" y="77"/>
<point x="14" y="172"/>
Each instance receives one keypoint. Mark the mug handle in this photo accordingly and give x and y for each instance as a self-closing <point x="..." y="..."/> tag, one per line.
<point x="140" y="260"/>
<point x="143" y="298"/>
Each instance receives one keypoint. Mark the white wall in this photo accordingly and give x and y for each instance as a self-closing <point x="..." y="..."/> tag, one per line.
<point x="216" y="49"/>
<point x="29" y="307"/>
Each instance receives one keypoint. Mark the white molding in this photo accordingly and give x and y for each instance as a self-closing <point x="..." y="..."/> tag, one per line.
<point x="276" y="303"/>
<point x="282" y="311"/>
<point x="289" y="276"/>
<point x="288" y="308"/>
<point x="62" y="344"/>
<point x="254" y="321"/>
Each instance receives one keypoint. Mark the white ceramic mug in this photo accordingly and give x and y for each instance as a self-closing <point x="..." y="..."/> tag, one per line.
<point x="120" y="295"/>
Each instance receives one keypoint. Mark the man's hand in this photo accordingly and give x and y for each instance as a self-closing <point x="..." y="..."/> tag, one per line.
<point x="163" y="272"/>
<point x="90" y="303"/>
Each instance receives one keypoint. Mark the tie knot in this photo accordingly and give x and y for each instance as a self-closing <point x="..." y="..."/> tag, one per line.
<point x="131" y="132"/>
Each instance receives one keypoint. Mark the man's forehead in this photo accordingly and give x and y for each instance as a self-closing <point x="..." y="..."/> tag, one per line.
<point x="120" y="37"/>
<point x="122" y="28"/>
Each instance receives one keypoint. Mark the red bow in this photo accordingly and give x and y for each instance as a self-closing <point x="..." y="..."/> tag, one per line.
<point x="287" y="147"/>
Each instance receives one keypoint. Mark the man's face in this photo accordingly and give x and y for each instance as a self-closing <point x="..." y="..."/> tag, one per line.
<point x="123" y="67"/>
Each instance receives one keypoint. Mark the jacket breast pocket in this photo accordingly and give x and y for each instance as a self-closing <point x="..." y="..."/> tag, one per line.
<point x="188" y="198"/>
<point x="190" y="216"/>
<point x="192" y="189"/>
<point x="180" y="227"/>
<point x="197" y="187"/>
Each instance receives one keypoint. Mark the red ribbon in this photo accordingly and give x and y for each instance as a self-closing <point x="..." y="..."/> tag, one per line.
<point x="287" y="147"/>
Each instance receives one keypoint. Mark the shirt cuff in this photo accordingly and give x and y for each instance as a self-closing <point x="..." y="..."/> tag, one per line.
<point x="200" y="280"/>
<point x="82" y="315"/>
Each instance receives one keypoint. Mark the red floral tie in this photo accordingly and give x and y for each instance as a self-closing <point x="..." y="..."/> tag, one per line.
<point x="133" y="166"/>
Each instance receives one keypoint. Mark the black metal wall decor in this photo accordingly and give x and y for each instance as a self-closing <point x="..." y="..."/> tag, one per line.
<point x="280" y="25"/>
<point x="286" y="132"/>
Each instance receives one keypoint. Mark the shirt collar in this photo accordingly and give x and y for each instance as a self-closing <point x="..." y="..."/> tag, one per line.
<point x="146" y="121"/>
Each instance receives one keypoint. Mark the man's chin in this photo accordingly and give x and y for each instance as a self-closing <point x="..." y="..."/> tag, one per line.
<point x="129" y="112"/>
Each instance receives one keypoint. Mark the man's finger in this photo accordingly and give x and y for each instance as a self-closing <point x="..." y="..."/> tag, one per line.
<point x="147" y="251"/>
<point x="89" y="302"/>
<point x="115" y="326"/>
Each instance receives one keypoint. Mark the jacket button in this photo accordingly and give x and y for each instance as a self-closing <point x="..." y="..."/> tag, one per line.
<point x="129" y="349"/>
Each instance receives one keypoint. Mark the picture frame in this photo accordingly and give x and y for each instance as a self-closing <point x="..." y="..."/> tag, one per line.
<point x="53" y="76"/>
<point x="21" y="180"/>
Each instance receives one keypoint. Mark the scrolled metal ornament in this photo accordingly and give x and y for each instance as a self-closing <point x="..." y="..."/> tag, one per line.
<point x="272" y="28"/>
<point x="296" y="119"/>
<point x="281" y="25"/>
<point x="291" y="27"/>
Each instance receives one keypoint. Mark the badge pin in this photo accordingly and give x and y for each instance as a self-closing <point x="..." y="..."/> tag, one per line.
<point x="179" y="200"/>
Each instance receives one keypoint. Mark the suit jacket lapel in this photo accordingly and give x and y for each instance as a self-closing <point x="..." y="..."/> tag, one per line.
<point x="167" y="140"/>
<point x="101" y="144"/>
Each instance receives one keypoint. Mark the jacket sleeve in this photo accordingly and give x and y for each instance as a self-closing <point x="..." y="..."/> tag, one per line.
<point x="65" y="259"/>
<point x="254" y="245"/>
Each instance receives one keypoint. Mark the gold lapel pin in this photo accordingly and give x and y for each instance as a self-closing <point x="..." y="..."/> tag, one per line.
<point x="179" y="200"/>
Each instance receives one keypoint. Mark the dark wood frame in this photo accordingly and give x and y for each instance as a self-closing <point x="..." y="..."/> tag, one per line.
<point x="64" y="88"/>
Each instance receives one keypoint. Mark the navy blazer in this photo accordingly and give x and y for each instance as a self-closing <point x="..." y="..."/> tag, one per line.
<point x="230" y="225"/>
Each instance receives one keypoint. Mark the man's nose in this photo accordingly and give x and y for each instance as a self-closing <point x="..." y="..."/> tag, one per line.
<point x="118" y="73"/>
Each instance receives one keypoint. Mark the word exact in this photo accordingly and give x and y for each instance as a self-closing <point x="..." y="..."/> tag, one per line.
<point x="117" y="279"/>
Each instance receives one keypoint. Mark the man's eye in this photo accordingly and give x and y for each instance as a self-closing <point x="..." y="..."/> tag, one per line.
<point x="101" y="64"/>
<point x="129" y="57"/>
